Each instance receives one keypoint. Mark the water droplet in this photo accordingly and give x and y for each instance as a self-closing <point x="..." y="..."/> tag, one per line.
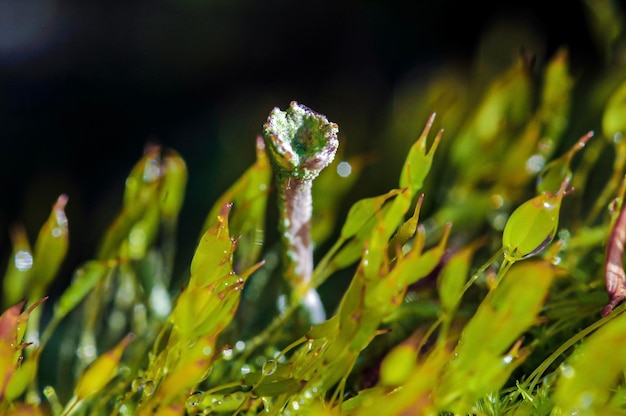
<point x="344" y="169"/>
<point x="207" y="373"/>
<point x="235" y="398"/>
<point x="498" y="221"/>
<point x="87" y="353"/>
<point x="245" y="369"/>
<point x="152" y="170"/>
<point x="137" y="385"/>
<point x="160" y="301"/>
<point x="508" y="359"/>
<point x="259" y="360"/>
<point x="567" y="371"/>
<point x="23" y="260"/>
<point x="497" y="200"/>
<point x="282" y="303"/>
<point x="56" y="232"/>
<point x="587" y="399"/>
<point x="535" y="163"/>
<point x="149" y="387"/>
<point x="269" y="367"/>
<point x="295" y="405"/>
<point x="227" y="352"/>
<point x="240" y="345"/>
<point x="60" y="215"/>
<point x="195" y="398"/>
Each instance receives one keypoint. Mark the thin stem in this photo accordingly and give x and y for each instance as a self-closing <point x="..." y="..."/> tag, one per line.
<point x="481" y="270"/>
<point x="300" y="143"/>
<point x="297" y="205"/>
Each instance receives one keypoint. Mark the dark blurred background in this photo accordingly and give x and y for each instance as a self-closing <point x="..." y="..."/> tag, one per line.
<point x="85" y="85"/>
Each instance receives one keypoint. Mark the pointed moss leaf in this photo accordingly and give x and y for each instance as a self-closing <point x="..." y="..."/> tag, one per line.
<point x="101" y="371"/>
<point x="249" y="198"/>
<point x="362" y="211"/>
<point x="555" y="173"/>
<point x="427" y="261"/>
<point x="532" y="226"/>
<point x="387" y="223"/>
<point x="143" y="177"/>
<point x="173" y="184"/>
<point x="207" y="311"/>
<point x="143" y="233"/>
<point x="13" y="324"/>
<point x="363" y="217"/>
<point x="485" y="346"/>
<point x="9" y="320"/>
<point x="502" y="110"/>
<point x="453" y="276"/>
<point x="588" y="378"/>
<point x="398" y="364"/>
<point x="85" y="279"/>
<point x="407" y="230"/>
<point x="556" y="102"/>
<point x="278" y="387"/>
<point x="614" y="117"/>
<point x="140" y="195"/>
<point x="50" y="247"/>
<point x="189" y="365"/>
<point x="329" y="188"/>
<point x="386" y="295"/>
<point x="326" y="329"/>
<point x="22" y="378"/>
<point x="18" y="269"/>
<point x="415" y="393"/>
<point x="418" y="161"/>
<point x="370" y="302"/>
<point x="213" y="257"/>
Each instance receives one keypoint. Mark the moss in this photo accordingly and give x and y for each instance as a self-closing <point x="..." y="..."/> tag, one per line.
<point x="477" y="283"/>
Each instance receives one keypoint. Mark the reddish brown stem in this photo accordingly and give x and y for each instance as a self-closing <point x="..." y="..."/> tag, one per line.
<point x="614" y="266"/>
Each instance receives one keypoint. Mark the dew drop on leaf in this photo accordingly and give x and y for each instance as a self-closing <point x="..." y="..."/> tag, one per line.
<point x="269" y="367"/>
<point x="195" y="398"/>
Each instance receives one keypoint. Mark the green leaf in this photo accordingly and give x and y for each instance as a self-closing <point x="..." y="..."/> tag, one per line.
<point x="50" y="249"/>
<point x="18" y="269"/>
<point x="172" y="186"/>
<point x="213" y="256"/>
<point x="614" y="117"/>
<point x="362" y="211"/>
<point x="556" y="102"/>
<point x="248" y="196"/>
<point x="328" y="189"/>
<point x="588" y="378"/>
<point x="418" y="161"/>
<point x="532" y="226"/>
<point x="453" y="276"/>
<point x="486" y="353"/>
<point x="555" y="173"/>
<point x="375" y="255"/>
<point x="84" y="280"/>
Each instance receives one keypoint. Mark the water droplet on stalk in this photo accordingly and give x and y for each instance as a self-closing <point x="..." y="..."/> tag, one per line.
<point x="195" y="398"/>
<point x="149" y="387"/>
<point x="269" y="367"/>
<point x="23" y="260"/>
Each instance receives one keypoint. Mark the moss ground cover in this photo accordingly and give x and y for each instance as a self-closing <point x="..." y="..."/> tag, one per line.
<point x="489" y="281"/>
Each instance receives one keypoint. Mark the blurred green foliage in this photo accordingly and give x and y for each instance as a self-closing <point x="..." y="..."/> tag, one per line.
<point x="477" y="284"/>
